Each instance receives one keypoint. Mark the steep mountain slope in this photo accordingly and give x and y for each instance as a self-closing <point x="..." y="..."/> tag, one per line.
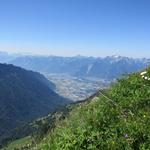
<point x="24" y="96"/>
<point x="103" y="68"/>
<point x="117" y="119"/>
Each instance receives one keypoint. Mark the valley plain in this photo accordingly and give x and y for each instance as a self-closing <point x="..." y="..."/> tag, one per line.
<point x="76" y="88"/>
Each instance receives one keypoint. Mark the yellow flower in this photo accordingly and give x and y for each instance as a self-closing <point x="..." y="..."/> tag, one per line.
<point x="113" y="142"/>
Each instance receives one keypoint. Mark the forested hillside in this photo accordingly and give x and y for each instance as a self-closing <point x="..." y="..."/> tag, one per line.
<point x="24" y="96"/>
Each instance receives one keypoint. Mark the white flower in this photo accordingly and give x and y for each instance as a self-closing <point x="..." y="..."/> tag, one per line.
<point x="146" y="78"/>
<point x="142" y="76"/>
<point x="142" y="73"/>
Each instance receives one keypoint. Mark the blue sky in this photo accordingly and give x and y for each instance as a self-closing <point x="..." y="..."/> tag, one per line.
<point x="71" y="27"/>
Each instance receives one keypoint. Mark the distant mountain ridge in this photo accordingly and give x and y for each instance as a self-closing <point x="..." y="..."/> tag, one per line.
<point x="24" y="96"/>
<point x="104" y="68"/>
<point x="112" y="67"/>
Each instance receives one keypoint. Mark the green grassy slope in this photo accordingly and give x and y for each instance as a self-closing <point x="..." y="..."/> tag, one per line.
<point x="103" y="124"/>
<point x="19" y="144"/>
<point x="120" y="121"/>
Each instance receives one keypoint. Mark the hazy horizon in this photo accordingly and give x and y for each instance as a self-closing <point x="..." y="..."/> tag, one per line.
<point x="75" y="55"/>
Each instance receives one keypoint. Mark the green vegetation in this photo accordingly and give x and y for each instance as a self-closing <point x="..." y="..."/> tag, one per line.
<point x="103" y="124"/>
<point x="18" y="144"/>
<point x="119" y="122"/>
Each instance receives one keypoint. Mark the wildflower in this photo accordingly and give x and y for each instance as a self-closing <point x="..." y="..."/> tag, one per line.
<point x="144" y="116"/>
<point x="146" y="78"/>
<point x="113" y="142"/>
<point x="142" y="73"/>
<point x="142" y="76"/>
<point x="126" y="136"/>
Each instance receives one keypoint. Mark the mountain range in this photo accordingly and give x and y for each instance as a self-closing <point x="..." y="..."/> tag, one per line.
<point x="110" y="67"/>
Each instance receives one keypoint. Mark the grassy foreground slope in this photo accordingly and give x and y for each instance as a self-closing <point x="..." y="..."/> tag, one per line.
<point x="19" y="144"/>
<point x="123" y="123"/>
<point x="119" y="122"/>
